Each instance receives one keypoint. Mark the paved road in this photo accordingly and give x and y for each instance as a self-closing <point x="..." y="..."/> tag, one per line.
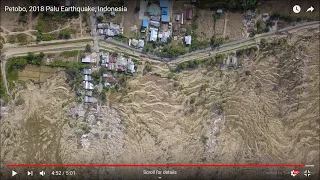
<point x="209" y="49"/>
<point x="94" y="33"/>
<point x="200" y="54"/>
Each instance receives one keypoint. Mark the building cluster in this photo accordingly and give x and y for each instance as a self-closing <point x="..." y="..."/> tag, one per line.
<point x="156" y="26"/>
<point x="118" y="63"/>
<point x="250" y="20"/>
<point x="87" y="85"/>
<point x="109" y="62"/>
<point x="110" y="29"/>
<point x="90" y="58"/>
<point x="231" y="61"/>
<point x="179" y="20"/>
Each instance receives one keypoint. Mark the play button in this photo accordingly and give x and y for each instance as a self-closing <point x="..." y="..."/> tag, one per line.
<point x="14" y="173"/>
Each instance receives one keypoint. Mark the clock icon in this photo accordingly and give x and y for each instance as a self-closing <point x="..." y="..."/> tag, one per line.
<point x="296" y="9"/>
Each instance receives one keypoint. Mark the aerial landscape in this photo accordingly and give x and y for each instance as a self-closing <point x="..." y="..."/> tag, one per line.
<point x="160" y="82"/>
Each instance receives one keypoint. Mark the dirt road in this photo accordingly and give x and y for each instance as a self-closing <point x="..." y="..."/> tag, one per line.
<point x="4" y="76"/>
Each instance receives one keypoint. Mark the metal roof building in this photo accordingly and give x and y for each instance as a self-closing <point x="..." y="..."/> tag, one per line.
<point x="88" y="85"/>
<point x="86" y="59"/>
<point x="144" y="23"/>
<point x="87" y="77"/>
<point x="187" y="40"/>
<point x="189" y="14"/>
<point x="165" y="18"/>
<point x="164" y="11"/>
<point x="164" y="3"/>
<point x="86" y="71"/>
<point x="154" y="23"/>
<point x="88" y="99"/>
<point x="153" y="35"/>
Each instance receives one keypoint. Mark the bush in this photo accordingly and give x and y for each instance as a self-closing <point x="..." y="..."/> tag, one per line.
<point x="23" y="18"/>
<point x="11" y="39"/>
<point x="99" y="19"/>
<point x="46" y="37"/>
<point x="148" y="67"/>
<point x="68" y="54"/>
<point x="216" y="41"/>
<point x="85" y="128"/>
<point x="263" y="42"/>
<point x="22" y="38"/>
<point x="65" y="34"/>
<point x="49" y="21"/>
<point x="88" y="48"/>
<point x="194" y="25"/>
<point x="172" y="51"/>
<point x="192" y="100"/>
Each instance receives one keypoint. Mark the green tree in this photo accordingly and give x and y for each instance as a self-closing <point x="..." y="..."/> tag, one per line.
<point x="148" y="67"/>
<point x="88" y="48"/>
<point x="261" y="26"/>
<point x="114" y="54"/>
<point x="65" y="34"/>
<point x="263" y="42"/>
<point x="99" y="19"/>
<point x="30" y="57"/>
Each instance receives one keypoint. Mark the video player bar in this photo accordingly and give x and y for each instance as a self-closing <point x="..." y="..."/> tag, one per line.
<point x="158" y="165"/>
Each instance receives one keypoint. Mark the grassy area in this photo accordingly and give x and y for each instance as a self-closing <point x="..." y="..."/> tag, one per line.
<point x="212" y="61"/>
<point x="49" y="21"/>
<point x="68" y="54"/>
<point x="46" y="37"/>
<point x="2" y="88"/>
<point x="20" y="38"/>
<point x="121" y="38"/>
<point x="16" y="64"/>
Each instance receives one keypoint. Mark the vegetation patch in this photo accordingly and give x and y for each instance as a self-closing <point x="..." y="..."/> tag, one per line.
<point x="49" y="21"/>
<point x="46" y="37"/>
<point x="68" y="54"/>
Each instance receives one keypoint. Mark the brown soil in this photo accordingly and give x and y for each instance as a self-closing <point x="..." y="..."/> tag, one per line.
<point x="198" y="116"/>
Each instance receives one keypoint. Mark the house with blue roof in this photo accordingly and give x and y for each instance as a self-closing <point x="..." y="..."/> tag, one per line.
<point x="164" y="11"/>
<point x="165" y="18"/>
<point x="145" y="23"/>
<point x="164" y="3"/>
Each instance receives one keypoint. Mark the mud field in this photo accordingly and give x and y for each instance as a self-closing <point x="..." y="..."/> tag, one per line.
<point x="198" y="116"/>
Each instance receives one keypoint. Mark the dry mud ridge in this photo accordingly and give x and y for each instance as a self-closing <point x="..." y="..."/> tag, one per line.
<point x="267" y="111"/>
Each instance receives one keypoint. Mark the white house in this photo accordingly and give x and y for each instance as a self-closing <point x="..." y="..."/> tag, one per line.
<point x="87" y="85"/>
<point x="131" y="67"/>
<point x="141" y="43"/>
<point x="87" y="71"/>
<point x="86" y="59"/>
<point x="88" y="99"/>
<point x="153" y="34"/>
<point x="187" y="39"/>
<point x="87" y="78"/>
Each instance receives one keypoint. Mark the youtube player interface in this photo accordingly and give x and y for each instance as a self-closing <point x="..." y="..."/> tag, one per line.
<point x="159" y="89"/>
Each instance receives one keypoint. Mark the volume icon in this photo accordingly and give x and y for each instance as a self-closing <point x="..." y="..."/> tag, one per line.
<point x="42" y="173"/>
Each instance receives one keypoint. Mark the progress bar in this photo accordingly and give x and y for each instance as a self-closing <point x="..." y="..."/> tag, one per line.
<point x="309" y="165"/>
<point x="155" y="165"/>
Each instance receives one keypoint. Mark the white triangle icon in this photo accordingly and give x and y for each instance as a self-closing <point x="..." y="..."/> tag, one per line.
<point x="13" y="173"/>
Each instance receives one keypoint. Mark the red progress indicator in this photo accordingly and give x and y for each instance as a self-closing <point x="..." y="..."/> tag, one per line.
<point x="155" y="165"/>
